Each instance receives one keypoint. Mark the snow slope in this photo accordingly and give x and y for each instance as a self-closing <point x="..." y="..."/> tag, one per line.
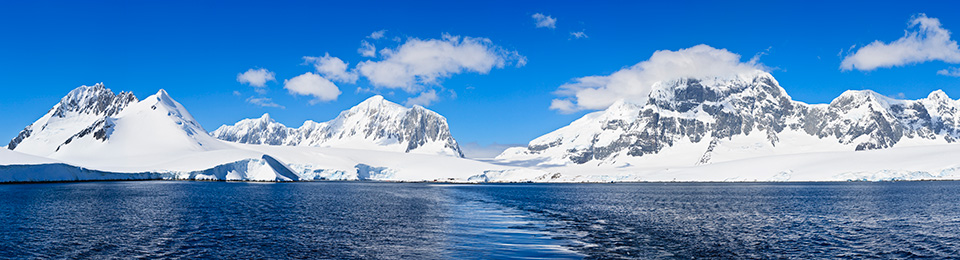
<point x="325" y="163"/>
<point x="931" y="162"/>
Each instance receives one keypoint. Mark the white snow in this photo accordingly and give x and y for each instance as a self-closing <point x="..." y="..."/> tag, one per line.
<point x="932" y="162"/>
<point x="8" y="157"/>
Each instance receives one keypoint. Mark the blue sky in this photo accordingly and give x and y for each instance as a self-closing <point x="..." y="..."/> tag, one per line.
<point x="196" y="49"/>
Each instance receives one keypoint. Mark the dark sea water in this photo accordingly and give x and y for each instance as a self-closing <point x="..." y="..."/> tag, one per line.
<point x="366" y="220"/>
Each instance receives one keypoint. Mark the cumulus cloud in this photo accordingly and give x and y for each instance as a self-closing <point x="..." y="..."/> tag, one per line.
<point x="634" y="83"/>
<point x="332" y="68"/>
<point x="952" y="72"/>
<point x="928" y="41"/>
<point x="367" y="49"/>
<point x="418" y="62"/>
<point x="563" y="105"/>
<point x="578" y="35"/>
<point x="377" y="35"/>
<point x="424" y="99"/>
<point x="256" y="78"/>
<point x="264" y="102"/>
<point x="544" y="21"/>
<point x="310" y="84"/>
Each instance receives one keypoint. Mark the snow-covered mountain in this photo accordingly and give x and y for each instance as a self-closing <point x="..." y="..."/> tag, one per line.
<point x="92" y="122"/>
<point x="156" y="126"/>
<point x="698" y="121"/>
<point x="374" y="124"/>
<point x="75" y="116"/>
<point x="118" y="135"/>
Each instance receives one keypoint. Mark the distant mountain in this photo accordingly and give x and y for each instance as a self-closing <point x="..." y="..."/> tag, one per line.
<point x="375" y="124"/>
<point x="697" y="121"/>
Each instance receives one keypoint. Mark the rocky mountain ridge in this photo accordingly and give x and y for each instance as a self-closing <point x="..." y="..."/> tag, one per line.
<point x="710" y="112"/>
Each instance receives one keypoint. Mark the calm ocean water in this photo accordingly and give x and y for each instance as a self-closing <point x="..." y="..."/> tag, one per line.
<point x="353" y="220"/>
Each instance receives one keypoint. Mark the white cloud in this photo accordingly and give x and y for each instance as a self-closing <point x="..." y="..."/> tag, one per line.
<point x="367" y="49"/>
<point x="332" y="67"/>
<point x="563" y="105"/>
<point x="313" y="85"/>
<point x="377" y="35"/>
<point x="264" y="102"/>
<point x="928" y="42"/>
<point x="424" y="99"/>
<point x="545" y="21"/>
<point x="257" y="78"/>
<point x="952" y="72"/>
<point x="634" y="83"/>
<point x="578" y="35"/>
<point x="426" y="62"/>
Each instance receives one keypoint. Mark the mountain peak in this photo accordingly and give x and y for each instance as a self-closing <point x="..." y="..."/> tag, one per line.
<point x="856" y="97"/>
<point x="374" y="98"/>
<point x="162" y="95"/>
<point x="84" y="91"/>
<point x="376" y="102"/>
<point x="938" y="95"/>
<point x="623" y="103"/>
<point x="96" y="99"/>
<point x="859" y="93"/>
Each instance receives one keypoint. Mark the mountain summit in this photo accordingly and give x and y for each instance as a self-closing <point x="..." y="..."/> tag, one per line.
<point x="375" y="123"/>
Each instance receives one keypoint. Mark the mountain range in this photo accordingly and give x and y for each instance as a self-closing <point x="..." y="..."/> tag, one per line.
<point x="373" y="124"/>
<point x="698" y="121"/>
<point x="740" y="127"/>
